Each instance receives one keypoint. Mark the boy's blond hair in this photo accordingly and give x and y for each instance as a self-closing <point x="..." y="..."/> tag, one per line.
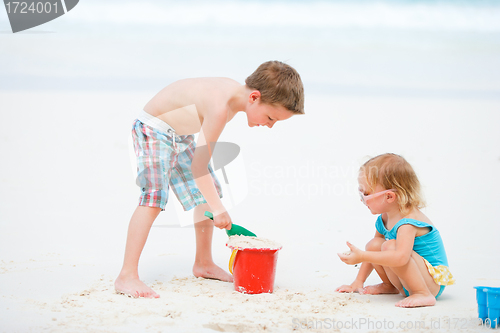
<point x="392" y="171"/>
<point x="279" y="84"/>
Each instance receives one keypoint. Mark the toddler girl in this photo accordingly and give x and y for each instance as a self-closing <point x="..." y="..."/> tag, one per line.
<point x="407" y="251"/>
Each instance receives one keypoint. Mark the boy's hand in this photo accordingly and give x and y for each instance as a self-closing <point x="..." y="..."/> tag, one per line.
<point x="355" y="257"/>
<point x="223" y="221"/>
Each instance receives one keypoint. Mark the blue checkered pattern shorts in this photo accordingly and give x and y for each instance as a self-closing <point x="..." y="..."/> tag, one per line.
<point x="161" y="162"/>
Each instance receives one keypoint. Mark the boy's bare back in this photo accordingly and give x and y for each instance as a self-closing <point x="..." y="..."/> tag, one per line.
<point x="185" y="104"/>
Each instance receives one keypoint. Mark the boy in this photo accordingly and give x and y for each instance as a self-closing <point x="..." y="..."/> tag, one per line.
<point x="166" y="153"/>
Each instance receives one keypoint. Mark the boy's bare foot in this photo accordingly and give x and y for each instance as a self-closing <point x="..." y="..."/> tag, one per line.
<point x="211" y="271"/>
<point x="378" y="289"/>
<point x="417" y="300"/>
<point x="134" y="287"/>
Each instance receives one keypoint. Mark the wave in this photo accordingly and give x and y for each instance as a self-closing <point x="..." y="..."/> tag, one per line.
<point x="446" y="16"/>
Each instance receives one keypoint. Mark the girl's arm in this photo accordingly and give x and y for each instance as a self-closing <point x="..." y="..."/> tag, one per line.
<point x="390" y="258"/>
<point x="364" y="271"/>
<point x="366" y="267"/>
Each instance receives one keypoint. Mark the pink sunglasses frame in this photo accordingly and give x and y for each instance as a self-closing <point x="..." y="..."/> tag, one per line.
<point x="364" y="198"/>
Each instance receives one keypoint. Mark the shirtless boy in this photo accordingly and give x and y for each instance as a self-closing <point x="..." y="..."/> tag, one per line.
<point x="166" y="154"/>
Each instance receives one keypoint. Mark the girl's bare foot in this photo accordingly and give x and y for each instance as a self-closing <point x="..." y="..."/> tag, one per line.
<point x="211" y="271"/>
<point x="417" y="300"/>
<point x="378" y="289"/>
<point x="134" y="287"/>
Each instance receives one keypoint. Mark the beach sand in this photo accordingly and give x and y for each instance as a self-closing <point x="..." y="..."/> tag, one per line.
<point x="68" y="192"/>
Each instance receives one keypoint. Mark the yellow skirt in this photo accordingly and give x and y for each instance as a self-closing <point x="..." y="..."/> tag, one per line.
<point x="441" y="274"/>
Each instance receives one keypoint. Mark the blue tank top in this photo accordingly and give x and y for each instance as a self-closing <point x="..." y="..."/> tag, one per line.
<point x="429" y="246"/>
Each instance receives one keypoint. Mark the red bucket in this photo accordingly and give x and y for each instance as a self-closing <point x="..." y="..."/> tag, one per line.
<point x="253" y="269"/>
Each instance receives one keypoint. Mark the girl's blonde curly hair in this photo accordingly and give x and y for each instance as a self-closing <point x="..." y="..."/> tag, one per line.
<point x="392" y="171"/>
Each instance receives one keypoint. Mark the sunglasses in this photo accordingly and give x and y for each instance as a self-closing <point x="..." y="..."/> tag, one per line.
<point x="365" y="198"/>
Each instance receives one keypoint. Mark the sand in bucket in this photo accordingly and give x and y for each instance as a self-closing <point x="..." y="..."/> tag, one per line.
<point x="253" y="264"/>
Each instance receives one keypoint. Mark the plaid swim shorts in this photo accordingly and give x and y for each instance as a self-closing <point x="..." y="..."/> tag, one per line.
<point x="165" y="158"/>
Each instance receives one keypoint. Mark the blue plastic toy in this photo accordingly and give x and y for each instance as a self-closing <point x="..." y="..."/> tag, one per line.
<point x="488" y="305"/>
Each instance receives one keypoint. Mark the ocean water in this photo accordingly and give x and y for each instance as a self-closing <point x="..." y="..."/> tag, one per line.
<point x="397" y="48"/>
<point x="421" y="15"/>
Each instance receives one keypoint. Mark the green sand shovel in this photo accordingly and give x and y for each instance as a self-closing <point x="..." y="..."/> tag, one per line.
<point x="235" y="229"/>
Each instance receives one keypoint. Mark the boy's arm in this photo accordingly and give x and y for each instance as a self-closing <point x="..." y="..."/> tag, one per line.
<point x="213" y="124"/>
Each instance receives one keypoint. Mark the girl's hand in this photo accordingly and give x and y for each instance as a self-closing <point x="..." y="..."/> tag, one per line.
<point x="353" y="287"/>
<point x="223" y="221"/>
<point x="355" y="257"/>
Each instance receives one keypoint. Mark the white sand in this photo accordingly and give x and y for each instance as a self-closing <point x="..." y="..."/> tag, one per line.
<point x="59" y="257"/>
<point x="190" y="303"/>
<point x="247" y="242"/>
